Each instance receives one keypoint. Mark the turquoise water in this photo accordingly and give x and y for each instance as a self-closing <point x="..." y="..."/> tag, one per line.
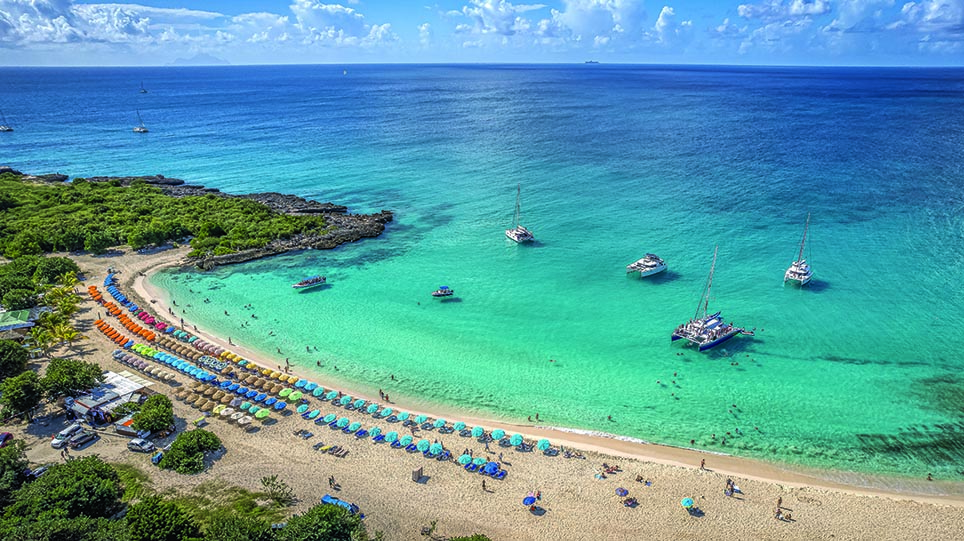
<point x="858" y="371"/>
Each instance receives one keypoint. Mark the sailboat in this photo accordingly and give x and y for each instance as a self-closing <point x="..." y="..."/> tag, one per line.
<point x="519" y="233"/>
<point x="799" y="271"/>
<point x="707" y="330"/>
<point x="140" y="128"/>
<point x="3" y="123"/>
<point x="143" y="90"/>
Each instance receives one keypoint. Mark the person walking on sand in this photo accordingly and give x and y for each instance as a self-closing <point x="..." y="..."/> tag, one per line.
<point x="703" y="464"/>
<point x="483" y="486"/>
<point x="780" y="502"/>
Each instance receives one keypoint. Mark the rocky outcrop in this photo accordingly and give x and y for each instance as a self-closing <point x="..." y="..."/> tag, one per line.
<point x="49" y="178"/>
<point x="8" y="169"/>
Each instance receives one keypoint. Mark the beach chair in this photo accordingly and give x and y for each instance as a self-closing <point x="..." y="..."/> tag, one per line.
<point x="443" y="456"/>
<point x="334" y="450"/>
<point x="379" y="438"/>
<point x="318" y="445"/>
<point x="396" y="445"/>
<point x="343" y="454"/>
<point x="333" y="424"/>
<point x="361" y="434"/>
<point x="429" y="455"/>
<point x="471" y="468"/>
<point x="427" y="426"/>
<point x="307" y="435"/>
<point x="392" y="419"/>
<point x="325" y="448"/>
<point x="500" y="475"/>
<point x="465" y="433"/>
<point x="411" y="448"/>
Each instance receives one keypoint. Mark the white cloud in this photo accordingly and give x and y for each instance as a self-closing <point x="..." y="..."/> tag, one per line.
<point x="667" y="31"/>
<point x="424" y="34"/>
<point x="499" y="16"/>
<point x="935" y="16"/>
<point x="771" y="10"/>
<point x="601" y="18"/>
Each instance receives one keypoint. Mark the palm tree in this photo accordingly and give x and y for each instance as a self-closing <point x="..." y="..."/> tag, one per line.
<point x="42" y="340"/>
<point x="68" y="279"/>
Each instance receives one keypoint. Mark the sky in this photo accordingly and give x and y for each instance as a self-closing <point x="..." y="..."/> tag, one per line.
<point x="748" y="32"/>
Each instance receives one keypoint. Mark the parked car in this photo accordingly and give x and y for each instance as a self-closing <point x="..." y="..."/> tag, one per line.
<point x="140" y="445"/>
<point x="82" y="438"/>
<point x="61" y="438"/>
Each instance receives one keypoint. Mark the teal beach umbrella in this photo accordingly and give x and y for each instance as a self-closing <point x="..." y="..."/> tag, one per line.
<point x="318" y="392"/>
<point x="439" y="423"/>
<point x="372" y="408"/>
<point x="498" y="434"/>
<point x="343" y="422"/>
<point x="330" y="417"/>
<point x="477" y="432"/>
<point x="345" y="400"/>
<point x="465" y="459"/>
<point x="459" y="426"/>
<point x="354" y="426"/>
<point x="421" y="419"/>
<point x="359" y="403"/>
<point x="403" y="416"/>
<point x="302" y="408"/>
<point x="516" y="440"/>
<point x="314" y="413"/>
<point x="479" y="460"/>
<point x="423" y="445"/>
<point x="405" y="441"/>
<point x="543" y="444"/>
<point x="375" y="431"/>
<point x="331" y="395"/>
<point x="391" y="437"/>
<point x="435" y="449"/>
<point x="386" y="412"/>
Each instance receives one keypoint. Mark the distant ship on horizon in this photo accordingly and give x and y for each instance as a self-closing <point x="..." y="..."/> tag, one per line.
<point x="592" y="61"/>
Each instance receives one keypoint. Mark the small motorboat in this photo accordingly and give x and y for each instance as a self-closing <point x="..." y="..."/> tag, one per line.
<point x="309" y="282"/>
<point x="443" y="291"/>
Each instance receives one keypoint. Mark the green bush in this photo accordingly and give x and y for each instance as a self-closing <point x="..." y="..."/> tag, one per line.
<point x="82" y="487"/>
<point x="187" y="452"/>
<point x="155" y="519"/>
<point x="67" y="377"/>
<point x="19" y="299"/>
<point x="13" y="359"/>
<point x="156" y="414"/>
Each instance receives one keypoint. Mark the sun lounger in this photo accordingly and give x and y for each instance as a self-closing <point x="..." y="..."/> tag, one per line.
<point x="465" y="433"/>
<point x="325" y="448"/>
<point x="343" y="454"/>
<point x="392" y="419"/>
<point x="333" y="424"/>
<point x="504" y="442"/>
<point x="318" y="445"/>
<point x="443" y="456"/>
<point x="471" y="468"/>
<point x="396" y="445"/>
<point x="334" y="450"/>
<point x="429" y="455"/>
<point x="427" y="426"/>
<point x="500" y="475"/>
<point x="379" y="438"/>
<point x="361" y="433"/>
<point x="307" y="435"/>
<point x="551" y="452"/>
<point x="411" y="448"/>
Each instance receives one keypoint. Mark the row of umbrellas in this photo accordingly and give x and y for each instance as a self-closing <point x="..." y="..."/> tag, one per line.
<point x="132" y="361"/>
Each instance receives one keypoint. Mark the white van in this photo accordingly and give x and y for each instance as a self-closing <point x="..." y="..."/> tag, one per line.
<point x="61" y="438"/>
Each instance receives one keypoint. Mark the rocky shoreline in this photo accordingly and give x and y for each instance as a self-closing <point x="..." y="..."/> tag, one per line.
<point x="343" y="226"/>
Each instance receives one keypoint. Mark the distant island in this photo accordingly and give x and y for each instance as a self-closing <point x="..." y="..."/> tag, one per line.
<point x="200" y="59"/>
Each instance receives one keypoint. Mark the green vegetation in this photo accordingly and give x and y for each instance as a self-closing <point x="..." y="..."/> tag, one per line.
<point x="278" y="490"/>
<point x="67" y="377"/>
<point x="187" y="452"/>
<point x="13" y="464"/>
<point x="13" y="359"/>
<point x="321" y="523"/>
<point x="155" y="519"/>
<point x="136" y="483"/>
<point x="96" y="216"/>
<point x="21" y="394"/>
<point x="156" y="414"/>
<point x="82" y="487"/>
<point x="127" y="408"/>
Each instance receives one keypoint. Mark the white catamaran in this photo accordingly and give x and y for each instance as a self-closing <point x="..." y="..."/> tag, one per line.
<point x="799" y="271"/>
<point x="647" y="266"/>
<point x="707" y="330"/>
<point x="3" y="123"/>
<point x="140" y="128"/>
<point x="519" y="233"/>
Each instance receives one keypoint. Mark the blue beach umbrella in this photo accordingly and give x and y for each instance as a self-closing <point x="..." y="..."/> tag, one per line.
<point x="301" y="383"/>
<point x="280" y="405"/>
<point x="354" y="426"/>
<point x="687" y="503"/>
<point x="331" y="395"/>
<point x="421" y="419"/>
<point x="477" y="432"/>
<point x="479" y="460"/>
<point x="465" y="459"/>
<point x="318" y="391"/>
<point x="314" y="413"/>
<point x="386" y="412"/>
<point x="498" y="434"/>
<point x="529" y="500"/>
<point x="403" y="416"/>
<point x="391" y="436"/>
<point x="330" y="417"/>
<point x="260" y="397"/>
<point x="423" y="445"/>
<point x="345" y="400"/>
<point x="435" y="448"/>
<point x="406" y="440"/>
<point x="225" y="384"/>
<point x="310" y="386"/>
<point x="491" y="468"/>
<point x="543" y="444"/>
<point x="251" y="394"/>
<point x="374" y="431"/>
<point x="372" y="408"/>
<point x="439" y="423"/>
<point x="459" y="426"/>
<point x="343" y="422"/>
<point x="358" y="403"/>
<point x="270" y="401"/>
<point x="516" y="440"/>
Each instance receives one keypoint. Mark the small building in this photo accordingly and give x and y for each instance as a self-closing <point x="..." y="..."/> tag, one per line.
<point x="117" y="389"/>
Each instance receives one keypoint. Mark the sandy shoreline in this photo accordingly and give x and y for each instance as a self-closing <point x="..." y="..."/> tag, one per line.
<point x="952" y="493"/>
<point x="576" y="505"/>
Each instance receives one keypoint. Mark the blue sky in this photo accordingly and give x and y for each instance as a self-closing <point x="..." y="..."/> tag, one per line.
<point x="782" y="32"/>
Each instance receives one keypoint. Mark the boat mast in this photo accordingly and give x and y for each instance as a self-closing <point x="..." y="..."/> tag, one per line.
<point x="704" y="304"/>
<point x="518" y="207"/>
<point x="139" y="117"/>
<point x="803" y="241"/>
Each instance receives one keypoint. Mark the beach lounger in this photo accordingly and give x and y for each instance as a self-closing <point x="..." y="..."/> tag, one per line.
<point x="411" y="448"/>
<point x="318" y="445"/>
<point x="471" y="468"/>
<point x="325" y="448"/>
<point x="392" y="419"/>
<point x="343" y="454"/>
<point x="334" y="450"/>
<point x="333" y="424"/>
<point x="307" y="435"/>
<point x="361" y="433"/>
<point x="396" y="445"/>
<point x="378" y="439"/>
<point x="442" y="457"/>
<point x="465" y="433"/>
<point x="429" y="455"/>
<point x="500" y="475"/>
<point x="427" y="426"/>
<point x="504" y="442"/>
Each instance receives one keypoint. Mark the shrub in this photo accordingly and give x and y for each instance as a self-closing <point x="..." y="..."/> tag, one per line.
<point x="187" y="452"/>
<point x="156" y="414"/>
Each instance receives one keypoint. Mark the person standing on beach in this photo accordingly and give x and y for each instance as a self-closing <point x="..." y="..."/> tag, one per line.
<point x="483" y="486"/>
<point x="703" y="464"/>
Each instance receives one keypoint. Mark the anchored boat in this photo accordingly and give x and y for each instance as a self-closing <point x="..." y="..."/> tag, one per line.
<point x="443" y="291"/>
<point x="799" y="271"/>
<point x="519" y="233"/>
<point x="140" y="128"/>
<point x="707" y="330"/>
<point x="647" y="266"/>
<point x="309" y="282"/>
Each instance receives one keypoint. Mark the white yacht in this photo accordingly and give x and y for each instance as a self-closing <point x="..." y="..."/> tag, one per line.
<point x="647" y="266"/>
<point x="519" y="233"/>
<point x="707" y="330"/>
<point x="140" y="128"/>
<point x="799" y="271"/>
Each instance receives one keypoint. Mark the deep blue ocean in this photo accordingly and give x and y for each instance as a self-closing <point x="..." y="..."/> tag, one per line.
<point x="860" y="371"/>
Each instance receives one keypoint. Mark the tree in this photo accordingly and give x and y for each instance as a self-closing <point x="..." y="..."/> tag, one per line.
<point x="10" y="281"/>
<point x="86" y="486"/>
<point x="19" y="299"/>
<point x="156" y="414"/>
<point x="13" y="464"/>
<point x="67" y="377"/>
<point x="154" y="519"/>
<point x="323" y="523"/>
<point x="49" y="269"/>
<point x="22" y="393"/>
<point x="233" y="526"/>
<point x="96" y="242"/>
<point x="41" y="339"/>
<point x="65" y="529"/>
<point x="13" y="359"/>
<point x="187" y="452"/>
<point x="279" y="491"/>
<point x="65" y="333"/>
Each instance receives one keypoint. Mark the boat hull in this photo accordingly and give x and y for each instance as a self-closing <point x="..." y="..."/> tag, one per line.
<point x="650" y="272"/>
<point x="518" y="237"/>
<point x="308" y="286"/>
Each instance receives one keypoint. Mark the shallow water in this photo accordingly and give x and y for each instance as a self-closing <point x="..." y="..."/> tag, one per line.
<point x="859" y="371"/>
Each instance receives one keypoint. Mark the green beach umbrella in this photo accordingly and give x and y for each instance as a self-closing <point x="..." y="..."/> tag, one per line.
<point x="296" y="395"/>
<point x="284" y="392"/>
<point x="343" y="422"/>
<point x="465" y="459"/>
<point x="403" y="416"/>
<point x="375" y="431"/>
<point x="391" y="436"/>
<point x="331" y="395"/>
<point x="254" y="409"/>
<point x="386" y="412"/>
<point x="359" y="403"/>
<point x="318" y="392"/>
<point x="405" y="441"/>
<point x="372" y="408"/>
<point x="330" y="417"/>
<point x="314" y="413"/>
<point x="302" y="408"/>
<point x="435" y="449"/>
<point x="439" y="423"/>
<point x="459" y="426"/>
<point x="543" y="444"/>
<point x="477" y="432"/>
<point x="246" y="406"/>
<point x="479" y="460"/>
<point x="262" y="414"/>
<point x="354" y="426"/>
<point x="498" y="434"/>
<point x="516" y="440"/>
<point x="345" y="400"/>
<point x="423" y="445"/>
<point x="421" y="419"/>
